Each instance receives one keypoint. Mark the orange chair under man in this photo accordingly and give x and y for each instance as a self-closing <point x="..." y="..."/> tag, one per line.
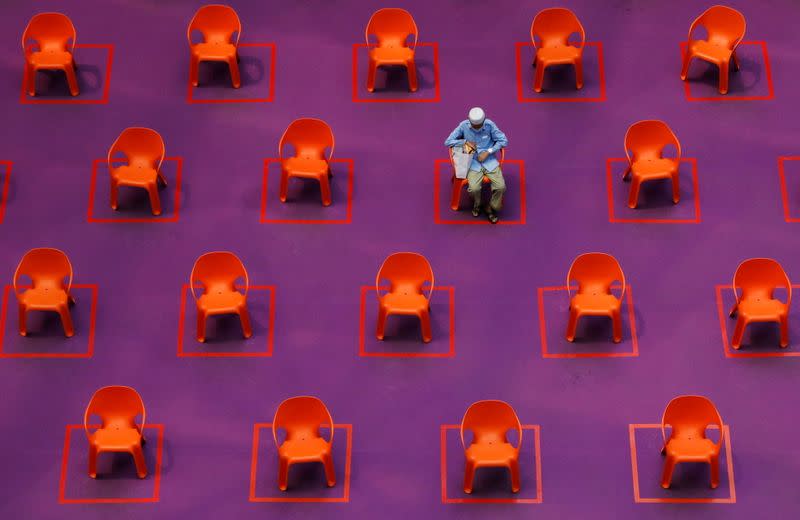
<point x="391" y="27"/>
<point x="217" y="272"/>
<point x="595" y="274"/>
<point x="553" y="27"/>
<point x="144" y="152"/>
<point x="50" y="273"/>
<point x="459" y="185"/>
<point x="48" y="43"/>
<point x="490" y="422"/>
<point x="690" y="416"/>
<point x="758" y="278"/>
<point x="644" y="146"/>
<point x="725" y="28"/>
<point x="407" y="274"/>
<point x="217" y="24"/>
<point x="118" y="407"/>
<point x="310" y="138"/>
<point x="301" y="418"/>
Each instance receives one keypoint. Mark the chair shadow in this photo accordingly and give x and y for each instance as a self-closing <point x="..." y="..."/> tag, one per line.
<point x="216" y="74"/>
<point x="736" y="80"/>
<point x="53" y="83"/>
<point x="394" y="78"/>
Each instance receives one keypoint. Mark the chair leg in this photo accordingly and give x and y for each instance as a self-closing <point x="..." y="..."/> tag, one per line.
<point x="284" y="189"/>
<point x="469" y="476"/>
<point x="72" y="80"/>
<point x="381" y="327"/>
<point x="616" y="320"/>
<point x="155" y="202"/>
<point x="194" y="70"/>
<point x="513" y="469"/>
<point x="714" y="466"/>
<point x="114" y="195"/>
<point x="371" y="72"/>
<point x="687" y="60"/>
<point x="283" y="474"/>
<point x="30" y="79"/>
<point x="572" y="324"/>
<point x="330" y="471"/>
<point x="425" y="325"/>
<point x="236" y="79"/>
<point x="93" y="452"/>
<point x="538" y="78"/>
<point x="579" y="73"/>
<point x="676" y="188"/>
<point x="738" y="333"/>
<point x="666" y="476"/>
<point x="723" y="77"/>
<point x="138" y="459"/>
<point x="784" y="324"/>
<point x="627" y="173"/>
<point x="23" y="331"/>
<point x="244" y="318"/>
<point x="66" y="321"/>
<point x="455" y="195"/>
<point x="411" y="67"/>
<point x="633" y="196"/>
<point x="736" y="66"/>
<point x="325" y="189"/>
<point x="201" y="326"/>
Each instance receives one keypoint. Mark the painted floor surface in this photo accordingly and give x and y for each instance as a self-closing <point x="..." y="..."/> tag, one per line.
<point x="392" y="412"/>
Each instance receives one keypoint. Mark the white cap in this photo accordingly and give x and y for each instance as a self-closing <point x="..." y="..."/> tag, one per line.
<point x="476" y="116"/>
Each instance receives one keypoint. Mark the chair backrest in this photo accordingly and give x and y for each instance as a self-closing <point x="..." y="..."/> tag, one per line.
<point x="309" y="137"/>
<point x="139" y="144"/>
<point x="405" y="270"/>
<point x="554" y="26"/>
<point x="490" y="421"/>
<point x="118" y="405"/>
<point x="52" y="31"/>
<point x="725" y="26"/>
<point x="46" y="267"/>
<point x="595" y="272"/>
<point x="301" y="416"/>
<point x="218" y="270"/>
<point x="690" y="415"/>
<point x="392" y="26"/>
<point x="647" y="140"/>
<point x="217" y="23"/>
<point x="759" y="277"/>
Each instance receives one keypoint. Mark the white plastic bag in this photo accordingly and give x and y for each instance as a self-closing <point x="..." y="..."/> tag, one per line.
<point x="461" y="162"/>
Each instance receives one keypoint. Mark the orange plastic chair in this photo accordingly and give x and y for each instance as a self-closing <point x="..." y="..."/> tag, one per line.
<point x="725" y="27"/>
<point x="489" y="422"/>
<point x="309" y="137"/>
<point x="689" y="416"/>
<point x="217" y="23"/>
<point x="553" y="28"/>
<point x="460" y="184"/>
<point x="758" y="278"/>
<point x="47" y="269"/>
<point x="117" y="407"/>
<point x="301" y="418"/>
<point x="595" y="274"/>
<point x="218" y="272"/>
<point x="646" y="140"/>
<point x="48" y="44"/>
<point x="144" y="151"/>
<point x="391" y="27"/>
<point x="407" y="273"/>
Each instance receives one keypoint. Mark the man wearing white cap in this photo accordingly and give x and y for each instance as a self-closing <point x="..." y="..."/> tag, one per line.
<point x="482" y="136"/>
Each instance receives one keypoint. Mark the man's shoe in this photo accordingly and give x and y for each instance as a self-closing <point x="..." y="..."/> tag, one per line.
<point x="476" y="211"/>
<point x="492" y="216"/>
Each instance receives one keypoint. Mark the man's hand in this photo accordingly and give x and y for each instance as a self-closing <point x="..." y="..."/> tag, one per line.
<point x="482" y="156"/>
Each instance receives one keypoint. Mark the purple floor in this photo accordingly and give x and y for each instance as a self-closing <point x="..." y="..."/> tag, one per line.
<point x="209" y="406"/>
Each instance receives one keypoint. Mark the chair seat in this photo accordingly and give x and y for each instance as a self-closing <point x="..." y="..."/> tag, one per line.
<point x="304" y="167"/>
<point x="494" y="454"/>
<point x="404" y="302"/>
<point x="558" y="54"/>
<point x="761" y="309"/>
<point x="391" y="55"/>
<point x="44" y="298"/>
<point x="304" y="450"/>
<point x="710" y="51"/>
<point x="135" y="175"/>
<point x="116" y="438"/>
<point x="215" y="51"/>
<point x="595" y="303"/>
<point x="221" y="302"/>
<point x="654" y="168"/>
<point x="50" y="59"/>
<point x="692" y="449"/>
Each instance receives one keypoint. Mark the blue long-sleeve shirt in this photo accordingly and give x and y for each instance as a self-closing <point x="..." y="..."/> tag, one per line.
<point x="489" y="136"/>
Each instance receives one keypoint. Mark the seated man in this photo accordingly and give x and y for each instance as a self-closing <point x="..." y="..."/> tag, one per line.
<point x="483" y="136"/>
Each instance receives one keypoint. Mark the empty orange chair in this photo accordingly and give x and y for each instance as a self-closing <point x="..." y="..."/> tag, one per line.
<point x="144" y="151"/>
<point x="646" y="140"/>
<point x="48" y="43"/>
<point x="218" y="272"/>
<point x="51" y="279"/>
<point x="689" y="416"/>
<point x="117" y="407"/>
<point x="301" y="419"/>
<point x="595" y="274"/>
<point x="217" y="24"/>
<point x="553" y="28"/>
<point x="391" y="27"/>
<point x="458" y="185"/>
<point x="310" y="138"/>
<point x="407" y="273"/>
<point x="758" y="278"/>
<point x="490" y="422"/>
<point x="725" y="27"/>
